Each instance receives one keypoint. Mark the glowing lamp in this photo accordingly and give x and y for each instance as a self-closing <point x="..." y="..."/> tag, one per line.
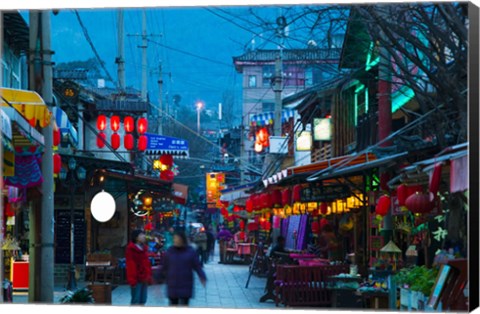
<point x="101" y="122"/>
<point x="103" y="206"/>
<point x="147" y="201"/>
<point x="115" y="123"/>
<point x="129" y="124"/>
<point x="166" y="160"/>
<point x="142" y="125"/>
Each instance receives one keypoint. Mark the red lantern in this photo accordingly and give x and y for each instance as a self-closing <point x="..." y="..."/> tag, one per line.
<point x="315" y="227"/>
<point x="323" y="222"/>
<point x="286" y="197"/>
<point x="142" y="125"/>
<point x="276" y="198"/>
<point x="412" y="189"/>
<point x="402" y="194"/>
<point x="148" y="226"/>
<point x="115" y="123"/>
<point x="383" y="205"/>
<point x="57" y="163"/>
<point x="129" y="124"/>
<point x="267" y="225"/>
<point x="436" y="178"/>
<point x="224" y="212"/>
<point x="249" y="205"/>
<point x="230" y="218"/>
<point x="419" y="203"/>
<point x="167" y="175"/>
<point x="265" y="200"/>
<point x="166" y="160"/>
<point x="115" y="141"/>
<point x="297" y="191"/>
<point x="253" y="226"/>
<point x="324" y="208"/>
<point x="256" y="202"/>
<point x="56" y="137"/>
<point x="241" y="224"/>
<point x="236" y="208"/>
<point x="101" y="138"/>
<point x="142" y="143"/>
<point x="128" y="141"/>
<point x="101" y="122"/>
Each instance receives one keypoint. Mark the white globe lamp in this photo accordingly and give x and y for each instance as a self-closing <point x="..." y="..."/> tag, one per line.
<point x="103" y="206"/>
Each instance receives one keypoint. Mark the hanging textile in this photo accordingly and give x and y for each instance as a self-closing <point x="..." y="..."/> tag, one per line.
<point x="27" y="172"/>
<point x="459" y="174"/>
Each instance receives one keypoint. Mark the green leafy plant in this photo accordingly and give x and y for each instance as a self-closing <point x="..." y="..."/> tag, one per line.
<point x="417" y="278"/>
<point x="78" y="296"/>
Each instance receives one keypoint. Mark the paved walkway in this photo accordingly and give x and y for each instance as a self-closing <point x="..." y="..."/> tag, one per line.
<point x="225" y="289"/>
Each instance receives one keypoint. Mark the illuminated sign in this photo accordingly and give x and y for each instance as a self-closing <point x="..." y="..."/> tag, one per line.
<point x="304" y="141"/>
<point x="215" y="182"/>
<point x="322" y="129"/>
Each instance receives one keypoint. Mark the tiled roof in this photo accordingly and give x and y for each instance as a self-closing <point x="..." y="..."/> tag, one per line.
<point x="290" y="55"/>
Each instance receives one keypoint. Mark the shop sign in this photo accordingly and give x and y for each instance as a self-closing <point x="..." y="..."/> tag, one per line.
<point x="322" y="129"/>
<point x="324" y="193"/>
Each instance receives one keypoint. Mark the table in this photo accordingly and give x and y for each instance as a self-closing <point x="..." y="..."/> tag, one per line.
<point x="95" y="268"/>
<point x="244" y="248"/>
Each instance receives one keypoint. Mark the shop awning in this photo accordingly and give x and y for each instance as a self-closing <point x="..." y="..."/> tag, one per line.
<point x="30" y="105"/>
<point x="140" y="181"/>
<point x="267" y="118"/>
<point x="69" y="133"/>
<point x="23" y="134"/>
<point x="7" y="135"/>
<point x="158" y="145"/>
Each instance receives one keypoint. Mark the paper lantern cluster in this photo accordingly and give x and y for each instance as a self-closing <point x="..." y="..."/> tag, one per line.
<point x="129" y="126"/>
<point x="165" y="165"/>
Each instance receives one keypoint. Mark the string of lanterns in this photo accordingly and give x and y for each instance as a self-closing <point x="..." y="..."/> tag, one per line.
<point x="129" y="127"/>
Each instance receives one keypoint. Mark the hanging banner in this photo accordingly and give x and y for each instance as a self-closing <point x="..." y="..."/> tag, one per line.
<point x="327" y="193"/>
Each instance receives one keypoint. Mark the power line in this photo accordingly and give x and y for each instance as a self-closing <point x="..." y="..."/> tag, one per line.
<point x="89" y="40"/>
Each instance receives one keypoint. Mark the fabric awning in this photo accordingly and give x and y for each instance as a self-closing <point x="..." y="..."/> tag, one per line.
<point x="30" y="105"/>
<point x="267" y="118"/>
<point x="66" y="128"/>
<point x="23" y="133"/>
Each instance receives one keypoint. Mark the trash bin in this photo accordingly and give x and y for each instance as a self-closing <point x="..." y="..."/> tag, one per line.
<point x="7" y="291"/>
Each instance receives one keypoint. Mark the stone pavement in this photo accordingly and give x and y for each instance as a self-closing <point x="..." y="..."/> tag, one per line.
<point x="225" y="289"/>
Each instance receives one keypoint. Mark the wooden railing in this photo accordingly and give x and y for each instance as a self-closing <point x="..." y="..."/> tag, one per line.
<point x="323" y="153"/>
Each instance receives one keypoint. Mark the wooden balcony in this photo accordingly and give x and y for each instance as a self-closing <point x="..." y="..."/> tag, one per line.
<point x="322" y="154"/>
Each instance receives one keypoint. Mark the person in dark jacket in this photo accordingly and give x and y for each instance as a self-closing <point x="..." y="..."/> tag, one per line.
<point x="181" y="260"/>
<point x="138" y="267"/>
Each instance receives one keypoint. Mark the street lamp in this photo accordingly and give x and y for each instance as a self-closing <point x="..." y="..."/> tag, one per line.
<point x="199" y="106"/>
<point x="72" y="178"/>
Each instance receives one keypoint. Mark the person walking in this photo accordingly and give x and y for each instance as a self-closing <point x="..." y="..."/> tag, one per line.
<point x="210" y="244"/>
<point x="200" y="240"/>
<point x="138" y="267"/>
<point x="223" y="237"/>
<point x="180" y="262"/>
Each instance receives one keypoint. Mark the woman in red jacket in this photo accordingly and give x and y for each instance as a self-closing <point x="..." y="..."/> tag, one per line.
<point x="139" y="268"/>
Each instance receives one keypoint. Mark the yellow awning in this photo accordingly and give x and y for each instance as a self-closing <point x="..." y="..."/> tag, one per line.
<point x="30" y="105"/>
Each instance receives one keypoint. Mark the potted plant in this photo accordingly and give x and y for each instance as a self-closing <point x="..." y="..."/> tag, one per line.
<point x="415" y="284"/>
<point x="78" y="296"/>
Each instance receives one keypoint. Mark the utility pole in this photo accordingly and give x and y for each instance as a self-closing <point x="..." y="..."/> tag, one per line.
<point x="144" y="55"/>
<point x="161" y="119"/>
<point x="120" y="61"/>
<point x="47" y="212"/>
<point x="278" y="80"/>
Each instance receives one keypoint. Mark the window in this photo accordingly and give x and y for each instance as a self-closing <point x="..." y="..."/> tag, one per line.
<point x="309" y="77"/>
<point x="294" y="76"/>
<point x="268" y="74"/>
<point x="268" y="106"/>
<point x="252" y="81"/>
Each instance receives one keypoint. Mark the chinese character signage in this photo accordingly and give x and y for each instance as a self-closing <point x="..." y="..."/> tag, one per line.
<point x="215" y="182"/>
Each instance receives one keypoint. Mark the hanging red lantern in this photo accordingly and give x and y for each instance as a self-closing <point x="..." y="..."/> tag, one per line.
<point x="142" y="125"/>
<point x="115" y="123"/>
<point x="267" y="225"/>
<point x="256" y="202"/>
<point x="253" y="226"/>
<point x="57" y="137"/>
<point x="129" y="124"/>
<point x="315" y="213"/>
<point x="419" y="203"/>
<point x="167" y="175"/>
<point x="249" y="204"/>
<point x="224" y="212"/>
<point x="324" y="208"/>
<point x="315" y="227"/>
<point x="115" y="141"/>
<point x="276" y="198"/>
<point x="241" y="224"/>
<point x="237" y="208"/>
<point x="297" y="191"/>
<point x="265" y="200"/>
<point x="148" y="226"/>
<point x="101" y="122"/>
<point x="402" y="194"/>
<point x="142" y="143"/>
<point x="323" y="222"/>
<point x="57" y="163"/>
<point x="412" y="189"/>
<point x="286" y="197"/>
<point x="166" y="160"/>
<point x="383" y="205"/>
<point x="436" y="179"/>
<point x="101" y="138"/>
<point x="128" y="141"/>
